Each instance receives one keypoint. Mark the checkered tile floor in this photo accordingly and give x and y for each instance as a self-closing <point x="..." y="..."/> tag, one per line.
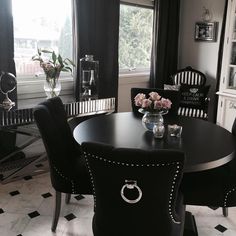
<point x="26" y="210"/>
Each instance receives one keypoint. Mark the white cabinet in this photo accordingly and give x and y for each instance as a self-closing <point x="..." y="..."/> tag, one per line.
<point x="226" y="111"/>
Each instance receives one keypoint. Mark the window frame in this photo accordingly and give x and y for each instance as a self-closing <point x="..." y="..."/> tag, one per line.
<point x="127" y="73"/>
<point x="141" y="3"/>
<point x="30" y="87"/>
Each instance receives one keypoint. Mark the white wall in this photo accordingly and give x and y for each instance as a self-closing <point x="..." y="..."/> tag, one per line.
<point x="199" y="54"/>
<point x="202" y="56"/>
<point x="125" y="85"/>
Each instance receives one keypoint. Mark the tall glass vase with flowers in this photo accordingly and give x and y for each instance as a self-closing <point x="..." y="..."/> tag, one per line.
<point x="52" y="65"/>
<point x="153" y="108"/>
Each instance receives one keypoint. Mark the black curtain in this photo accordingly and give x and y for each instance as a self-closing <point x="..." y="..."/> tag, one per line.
<point x="220" y="55"/>
<point x="164" y="56"/>
<point x="7" y="43"/>
<point x="97" y="26"/>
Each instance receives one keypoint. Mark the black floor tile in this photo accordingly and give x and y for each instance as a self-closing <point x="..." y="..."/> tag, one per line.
<point x="28" y="177"/>
<point x="79" y="197"/>
<point x="39" y="165"/>
<point x="213" y="208"/>
<point x="14" y="193"/>
<point x="46" y="195"/>
<point x="221" y="228"/>
<point x="33" y="214"/>
<point x="70" y="217"/>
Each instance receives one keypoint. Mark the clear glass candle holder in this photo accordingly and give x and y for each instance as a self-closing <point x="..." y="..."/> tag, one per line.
<point x="158" y="130"/>
<point x="174" y="130"/>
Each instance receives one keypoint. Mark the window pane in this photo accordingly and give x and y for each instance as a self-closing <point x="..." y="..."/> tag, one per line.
<point x="135" y="37"/>
<point x="38" y="25"/>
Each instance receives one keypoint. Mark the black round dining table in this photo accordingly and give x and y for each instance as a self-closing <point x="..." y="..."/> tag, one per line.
<point x="205" y="144"/>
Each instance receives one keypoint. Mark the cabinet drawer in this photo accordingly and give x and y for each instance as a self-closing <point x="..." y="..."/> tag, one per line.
<point x="226" y="112"/>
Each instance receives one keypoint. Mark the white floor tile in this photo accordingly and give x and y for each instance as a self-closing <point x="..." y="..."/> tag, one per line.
<point x="15" y="220"/>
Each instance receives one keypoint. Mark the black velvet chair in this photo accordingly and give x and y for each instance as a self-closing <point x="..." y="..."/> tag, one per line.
<point x="67" y="166"/>
<point x="136" y="192"/>
<point x="174" y="96"/>
<point x="193" y="92"/>
<point x="216" y="187"/>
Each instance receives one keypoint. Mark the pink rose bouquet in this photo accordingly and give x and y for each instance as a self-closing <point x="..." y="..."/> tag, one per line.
<point x="154" y="103"/>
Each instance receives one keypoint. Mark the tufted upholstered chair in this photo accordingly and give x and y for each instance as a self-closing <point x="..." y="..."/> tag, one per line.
<point x="216" y="187"/>
<point x="173" y="95"/>
<point x="191" y="85"/>
<point x="67" y="166"/>
<point x="136" y="192"/>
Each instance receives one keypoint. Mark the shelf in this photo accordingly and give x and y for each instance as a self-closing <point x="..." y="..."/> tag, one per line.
<point x="226" y="93"/>
<point x="232" y="65"/>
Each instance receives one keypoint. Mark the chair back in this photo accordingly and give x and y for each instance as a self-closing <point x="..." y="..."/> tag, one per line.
<point x="193" y="92"/>
<point x="173" y="95"/>
<point x="64" y="154"/>
<point x="189" y="76"/>
<point x="135" y="191"/>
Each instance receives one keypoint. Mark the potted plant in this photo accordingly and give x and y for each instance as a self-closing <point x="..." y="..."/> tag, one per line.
<point x="52" y="65"/>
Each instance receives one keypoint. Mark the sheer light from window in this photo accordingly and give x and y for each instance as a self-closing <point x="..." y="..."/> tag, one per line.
<point x="40" y="24"/>
<point x="135" y="38"/>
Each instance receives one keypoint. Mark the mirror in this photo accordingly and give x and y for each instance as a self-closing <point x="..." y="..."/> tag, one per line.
<point x="7" y="85"/>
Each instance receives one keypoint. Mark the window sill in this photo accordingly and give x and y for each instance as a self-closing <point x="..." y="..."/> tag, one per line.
<point x="33" y="88"/>
<point x="132" y="78"/>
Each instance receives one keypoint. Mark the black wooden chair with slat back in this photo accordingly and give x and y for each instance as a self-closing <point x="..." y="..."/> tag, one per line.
<point x="189" y="76"/>
<point x="193" y="91"/>
<point x="174" y="96"/>
<point x="216" y="187"/>
<point x="135" y="191"/>
<point x="67" y="166"/>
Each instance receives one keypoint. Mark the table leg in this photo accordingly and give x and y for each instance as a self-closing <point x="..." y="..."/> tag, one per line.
<point x="190" y="228"/>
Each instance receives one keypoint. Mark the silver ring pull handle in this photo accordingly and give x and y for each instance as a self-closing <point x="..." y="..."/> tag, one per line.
<point x="131" y="185"/>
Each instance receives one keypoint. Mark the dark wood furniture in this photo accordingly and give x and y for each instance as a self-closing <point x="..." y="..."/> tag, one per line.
<point x="201" y="140"/>
<point x="22" y="152"/>
<point x="189" y="76"/>
<point x="68" y="170"/>
<point x="137" y="195"/>
<point x="216" y="187"/>
<point x="193" y="92"/>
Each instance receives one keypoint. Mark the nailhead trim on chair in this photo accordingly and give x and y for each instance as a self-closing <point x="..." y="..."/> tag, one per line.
<point x="226" y="196"/>
<point x="66" y="178"/>
<point x="171" y="208"/>
<point x="91" y="177"/>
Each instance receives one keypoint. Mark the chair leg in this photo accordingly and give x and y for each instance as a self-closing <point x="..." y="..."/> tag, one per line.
<point x="57" y="210"/>
<point x="68" y="197"/>
<point x="225" y="211"/>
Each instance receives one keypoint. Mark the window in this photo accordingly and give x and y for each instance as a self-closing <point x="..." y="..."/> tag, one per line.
<point x="38" y="25"/>
<point x="135" y="39"/>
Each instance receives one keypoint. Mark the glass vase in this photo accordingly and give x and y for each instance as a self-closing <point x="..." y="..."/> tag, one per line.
<point x="151" y="118"/>
<point x="52" y="87"/>
<point x="89" y="69"/>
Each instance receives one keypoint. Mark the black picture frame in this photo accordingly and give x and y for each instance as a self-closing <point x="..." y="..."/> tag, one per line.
<point x="206" y="31"/>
